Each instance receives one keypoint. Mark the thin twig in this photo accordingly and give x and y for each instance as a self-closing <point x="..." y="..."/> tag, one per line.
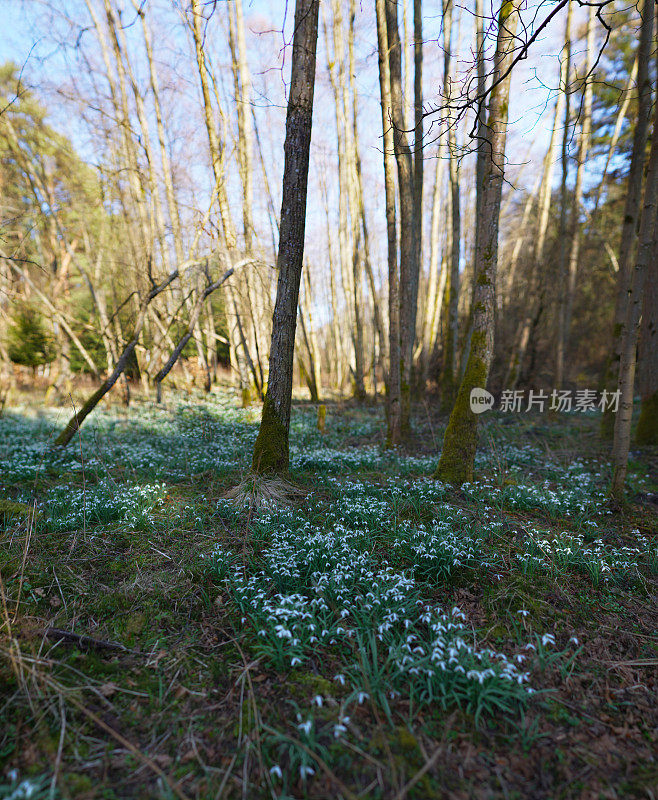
<point x="86" y="642"/>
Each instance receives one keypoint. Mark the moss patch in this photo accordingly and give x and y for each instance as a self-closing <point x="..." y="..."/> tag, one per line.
<point x="460" y="440"/>
<point x="10" y="508"/>
<point x="271" y="451"/>
<point x="647" y="425"/>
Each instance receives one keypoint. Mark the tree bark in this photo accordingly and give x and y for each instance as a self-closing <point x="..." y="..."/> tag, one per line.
<point x="629" y="229"/>
<point x="562" y="234"/>
<point x="458" y="455"/>
<point x="625" y="385"/>
<point x="271" y="451"/>
<point x="646" y="432"/>
<point x="419" y="161"/>
<point x="536" y="277"/>
<point x="408" y="266"/>
<point x="577" y="208"/>
<point x="394" y="404"/>
<point x="448" y="375"/>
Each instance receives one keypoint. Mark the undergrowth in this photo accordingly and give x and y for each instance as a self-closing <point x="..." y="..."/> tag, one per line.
<point x="324" y="641"/>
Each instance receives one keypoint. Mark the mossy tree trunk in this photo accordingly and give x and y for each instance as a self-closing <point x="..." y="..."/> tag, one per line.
<point x="647" y="426"/>
<point x="460" y="440"/>
<point x="271" y="451"/>
<point x="625" y="386"/>
<point x="629" y="229"/>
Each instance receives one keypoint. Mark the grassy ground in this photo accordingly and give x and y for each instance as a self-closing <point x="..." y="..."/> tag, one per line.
<point x="379" y="635"/>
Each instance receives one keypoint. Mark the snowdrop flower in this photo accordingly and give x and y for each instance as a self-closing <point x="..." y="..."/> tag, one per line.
<point x="523" y="611"/>
<point x="295" y="661"/>
<point x="306" y="726"/>
<point x="305" y="771"/>
<point x="318" y="700"/>
<point x="574" y="640"/>
<point x="276" y="770"/>
<point x="340" y="679"/>
<point x="547" y="638"/>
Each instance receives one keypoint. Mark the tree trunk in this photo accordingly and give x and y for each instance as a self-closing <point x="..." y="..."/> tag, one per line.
<point x="562" y="234"/>
<point x="536" y="280"/>
<point x="408" y="266"/>
<point x="480" y="166"/>
<point x="632" y="205"/>
<point x="170" y="194"/>
<point x="271" y="451"/>
<point x="434" y="279"/>
<point x="216" y="146"/>
<point x="242" y="87"/>
<point x="448" y="376"/>
<point x="122" y="364"/>
<point x="646" y="432"/>
<point x="394" y="404"/>
<point x="194" y="318"/>
<point x="577" y="208"/>
<point x="460" y="441"/>
<point x="418" y="150"/>
<point x="625" y="386"/>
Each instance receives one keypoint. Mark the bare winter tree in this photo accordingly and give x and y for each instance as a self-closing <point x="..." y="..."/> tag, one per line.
<point x="646" y="432"/>
<point x="394" y="403"/>
<point x="646" y="251"/>
<point x="271" y="451"/>
<point x="460" y="441"/>
<point x="633" y="200"/>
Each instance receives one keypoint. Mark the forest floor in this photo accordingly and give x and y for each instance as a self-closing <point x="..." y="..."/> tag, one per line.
<point x="371" y="634"/>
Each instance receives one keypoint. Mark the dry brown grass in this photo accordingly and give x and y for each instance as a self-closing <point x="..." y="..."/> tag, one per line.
<point x="256" y="491"/>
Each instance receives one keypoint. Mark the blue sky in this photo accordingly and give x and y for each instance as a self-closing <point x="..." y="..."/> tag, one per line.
<point x="39" y="36"/>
